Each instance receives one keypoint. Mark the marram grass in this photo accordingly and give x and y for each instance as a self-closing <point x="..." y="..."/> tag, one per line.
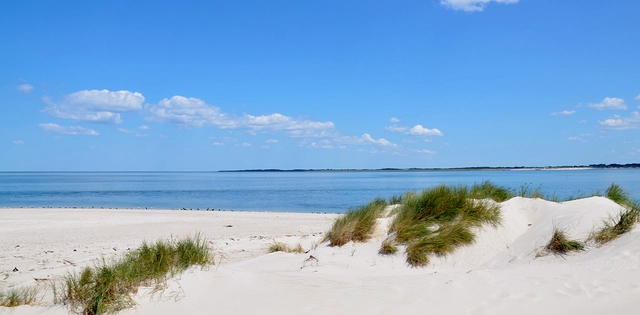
<point x="18" y="296"/>
<point x="440" y="219"/>
<point x="356" y="224"/>
<point x="281" y="247"/>
<point x="614" y="227"/>
<point x="108" y="286"/>
<point x="561" y="244"/>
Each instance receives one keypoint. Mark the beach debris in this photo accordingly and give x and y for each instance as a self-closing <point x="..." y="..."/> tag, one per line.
<point x="15" y="269"/>
<point x="114" y="249"/>
<point x="228" y="225"/>
<point x="17" y="246"/>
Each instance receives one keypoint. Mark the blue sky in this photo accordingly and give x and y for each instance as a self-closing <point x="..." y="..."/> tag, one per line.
<point x="211" y="85"/>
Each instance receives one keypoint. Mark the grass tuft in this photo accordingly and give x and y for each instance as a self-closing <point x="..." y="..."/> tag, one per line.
<point x="107" y="287"/>
<point x="440" y="219"/>
<point x="281" y="247"/>
<point x="356" y="224"/>
<point x="618" y="195"/>
<point x="395" y="200"/>
<point x="489" y="190"/>
<point x="614" y="227"/>
<point x="388" y="247"/>
<point x="18" y="296"/>
<point x="527" y="192"/>
<point x="560" y="244"/>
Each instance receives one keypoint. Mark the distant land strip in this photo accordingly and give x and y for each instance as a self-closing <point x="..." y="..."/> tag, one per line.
<point x="475" y="168"/>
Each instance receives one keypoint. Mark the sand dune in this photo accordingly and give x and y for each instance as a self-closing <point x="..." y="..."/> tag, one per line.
<point x="505" y="271"/>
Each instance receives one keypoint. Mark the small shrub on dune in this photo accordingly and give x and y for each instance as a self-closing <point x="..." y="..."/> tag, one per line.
<point x="356" y="224"/>
<point x="107" y="287"/>
<point x="560" y="244"/>
<point x="18" y="296"/>
<point x="440" y="219"/>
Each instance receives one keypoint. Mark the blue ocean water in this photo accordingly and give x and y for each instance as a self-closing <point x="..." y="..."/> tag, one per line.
<point x="277" y="191"/>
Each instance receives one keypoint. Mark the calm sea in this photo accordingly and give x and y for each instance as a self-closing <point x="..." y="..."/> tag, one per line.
<point x="276" y="191"/>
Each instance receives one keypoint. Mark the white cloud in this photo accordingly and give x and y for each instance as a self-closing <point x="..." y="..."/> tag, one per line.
<point x="141" y="135"/>
<point x="471" y="5"/>
<point x="418" y="130"/>
<point x="394" y="120"/>
<point x="25" y="88"/>
<point x="100" y="106"/>
<point x="324" y="144"/>
<point x="122" y="130"/>
<point x="610" y="103"/>
<point x="218" y="144"/>
<point x="18" y="142"/>
<point x="193" y="112"/>
<point x="563" y="113"/>
<point x="69" y="130"/>
<point x="264" y="147"/>
<point x="187" y="111"/>
<point x="395" y="128"/>
<point x="272" y="141"/>
<point x="144" y="127"/>
<point x="365" y="139"/>
<point x="424" y="151"/>
<point x="575" y="139"/>
<point x="620" y="123"/>
<point x="637" y="98"/>
<point x="245" y="144"/>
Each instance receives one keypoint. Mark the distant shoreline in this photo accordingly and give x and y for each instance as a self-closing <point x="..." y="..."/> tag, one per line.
<point x="478" y="168"/>
<point x="387" y="169"/>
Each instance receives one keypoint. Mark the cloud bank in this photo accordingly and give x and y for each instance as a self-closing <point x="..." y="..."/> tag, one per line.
<point x="195" y="113"/>
<point x="98" y="106"/>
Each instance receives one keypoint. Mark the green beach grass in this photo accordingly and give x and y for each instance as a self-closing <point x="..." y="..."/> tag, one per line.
<point x="614" y="227"/>
<point x="561" y="244"/>
<point x="356" y="224"/>
<point x="108" y="286"/>
<point x="19" y="296"/>
<point x="440" y="219"/>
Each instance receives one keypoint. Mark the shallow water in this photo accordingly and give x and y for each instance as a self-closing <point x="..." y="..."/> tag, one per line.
<point x="277" y="191"/>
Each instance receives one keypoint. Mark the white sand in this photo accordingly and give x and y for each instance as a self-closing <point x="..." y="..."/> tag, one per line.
<point x="502" y="273"/>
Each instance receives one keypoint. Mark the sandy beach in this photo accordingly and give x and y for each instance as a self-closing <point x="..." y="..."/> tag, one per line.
<point x="506" y="270"/>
